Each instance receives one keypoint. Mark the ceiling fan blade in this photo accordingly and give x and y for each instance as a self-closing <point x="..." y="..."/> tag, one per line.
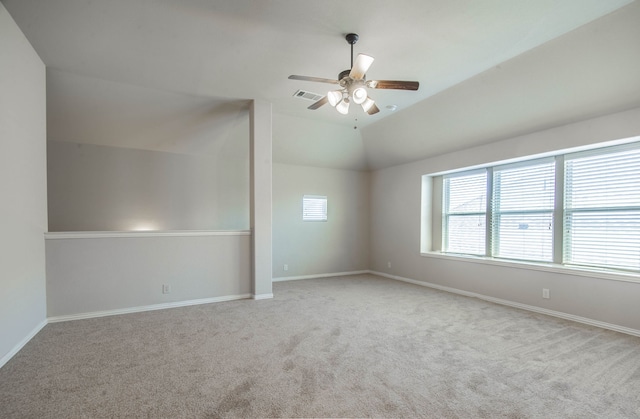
<point x="373" y="110"/>
<point x="393" y="84"/>
<point x="319" y="103"/>
<point x="316" y="79"/>
<point x="360" y="66"/>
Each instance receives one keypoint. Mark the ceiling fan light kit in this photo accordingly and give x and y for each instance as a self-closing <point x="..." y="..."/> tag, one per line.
<point x="343" y="106"/>
<point x="334" y="97"/>
<point x="359" y="95"/>
<point x="353" y="85"/>
<point x="368" y="103"/>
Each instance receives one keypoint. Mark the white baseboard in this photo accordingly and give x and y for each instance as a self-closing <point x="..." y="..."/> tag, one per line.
<point x="559" y="314"/>
<point x="21" y="344"/>
<point x="262" y="296"/>
<point x="296" y="278"/>
<point x="139" y="309"/>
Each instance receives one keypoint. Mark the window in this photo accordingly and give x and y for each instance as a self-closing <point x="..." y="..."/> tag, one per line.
<point x="464" y="212"/>
<point x="602" y="209"/>
<point x="314" y="208"/>
<point x="522" y="216"/>
<point x="579" y="209"/>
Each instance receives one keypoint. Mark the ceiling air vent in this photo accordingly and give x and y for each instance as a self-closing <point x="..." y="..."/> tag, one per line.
<point x="307" y="95"/>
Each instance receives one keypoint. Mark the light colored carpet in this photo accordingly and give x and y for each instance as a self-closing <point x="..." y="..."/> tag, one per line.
<point x="360" y="346"/>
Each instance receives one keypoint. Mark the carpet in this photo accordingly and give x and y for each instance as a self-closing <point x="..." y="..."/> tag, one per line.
<point x="355" y="346"/>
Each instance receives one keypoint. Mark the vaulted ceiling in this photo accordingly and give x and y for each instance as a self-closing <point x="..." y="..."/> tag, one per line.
<point x="171" y="75"/>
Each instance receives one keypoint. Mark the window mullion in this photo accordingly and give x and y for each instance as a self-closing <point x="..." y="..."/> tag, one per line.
<point x="567" y="215"/>
<point x="558" y="212"/>
<point x="489" y="214"/>
<point x="445" y="214"/>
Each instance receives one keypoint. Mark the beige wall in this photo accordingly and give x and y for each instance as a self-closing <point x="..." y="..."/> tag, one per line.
<point x="89" y="275"/>
<point x="23" y="212"/>
<point x="310" y="248"/>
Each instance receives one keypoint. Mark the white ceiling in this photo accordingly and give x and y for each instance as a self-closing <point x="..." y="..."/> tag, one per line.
<point x="165" y="60"/>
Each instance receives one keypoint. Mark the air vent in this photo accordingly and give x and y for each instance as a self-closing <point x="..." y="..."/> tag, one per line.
<point x="307" y="95"/>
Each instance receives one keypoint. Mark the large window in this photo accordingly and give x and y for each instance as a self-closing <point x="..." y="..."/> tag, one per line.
<point x="579" y="209"/>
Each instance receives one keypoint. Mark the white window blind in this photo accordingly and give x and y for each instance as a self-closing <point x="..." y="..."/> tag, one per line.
<point x="602" y="208"/>
<point x="314" y="208"/>
<point x="594" y="209"/>
<point x="522" y="211"/>
<point x="464" y="213"/>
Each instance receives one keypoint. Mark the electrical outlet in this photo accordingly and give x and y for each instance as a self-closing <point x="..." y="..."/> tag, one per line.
<point x="545" y="292"/>
<point x="285" y="267"/>
<point x="166" y="289"/>
<point x="388" y="264"/>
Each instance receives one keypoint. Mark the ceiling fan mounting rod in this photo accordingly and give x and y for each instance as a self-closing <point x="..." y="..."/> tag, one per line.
<point x="352" y="38"/>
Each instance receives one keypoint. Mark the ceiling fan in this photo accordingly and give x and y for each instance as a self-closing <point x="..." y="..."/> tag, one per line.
<point x="353" y="84"/>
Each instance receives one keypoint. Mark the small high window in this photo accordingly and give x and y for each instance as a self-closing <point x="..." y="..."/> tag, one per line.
<point x="314" y="208"/>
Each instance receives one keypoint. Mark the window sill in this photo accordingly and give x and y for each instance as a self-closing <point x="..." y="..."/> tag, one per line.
<point x="546" y="267"/>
